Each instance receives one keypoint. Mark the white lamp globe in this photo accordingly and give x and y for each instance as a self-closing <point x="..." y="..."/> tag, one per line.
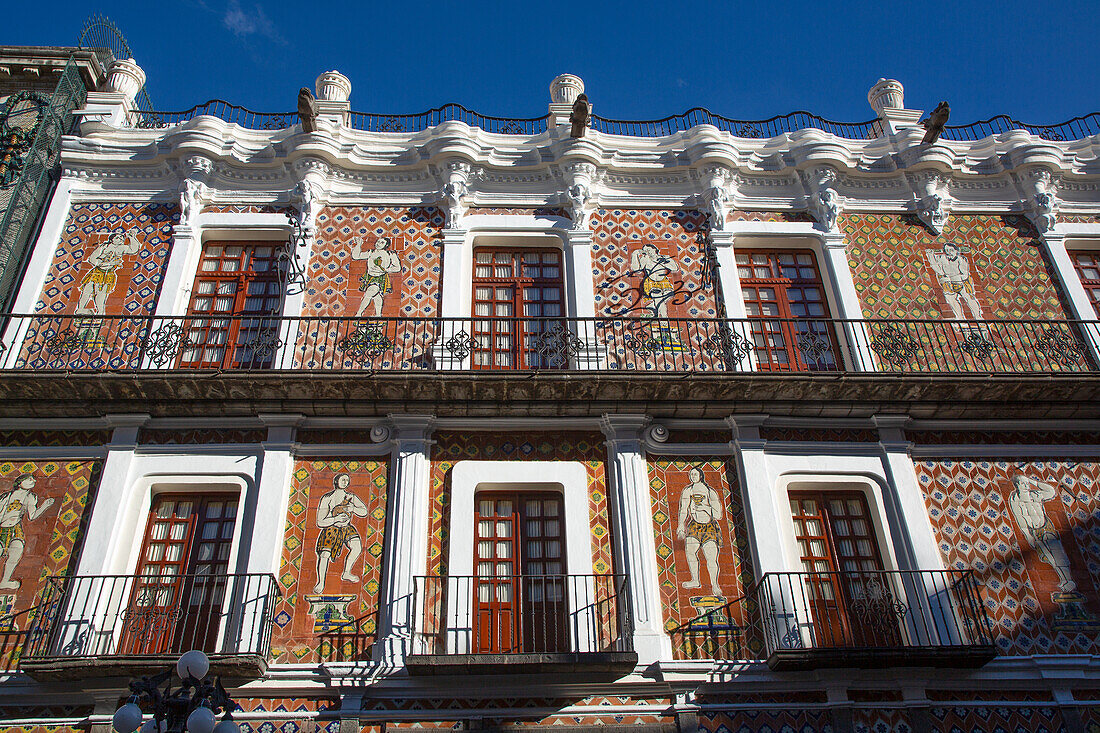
<point x="155" y="726"/>
<point x="193" y="664"/>
<point x="227" y="726"/>
<point x="127" y="718"/>
<point x="202" y="720"/>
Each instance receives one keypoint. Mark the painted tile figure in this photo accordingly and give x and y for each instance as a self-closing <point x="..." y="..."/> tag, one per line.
<point x="953" y="273"/>
<point x="656" y="271"/>
<point x="334" y="515"/>
<point x="698" y="527"/>
<point x="381" y="264"/>
<point x="1026" y="503"/>
<point x="98" y="283"/>
<point x="15" y="505"/>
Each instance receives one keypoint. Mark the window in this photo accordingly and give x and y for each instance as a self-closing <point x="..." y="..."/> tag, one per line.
<point x="1087" y="264"/>
<point x="785" y="302"/>
<point x="841" y="566"/>
<point x="509" y="284"/>
<point x="237" y="286"/>
<point x="182" y="574"/>
<point x="519" y="558"/>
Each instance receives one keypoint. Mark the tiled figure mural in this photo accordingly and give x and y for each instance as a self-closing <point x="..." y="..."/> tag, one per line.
<point x="652" y="261"/>
<point x="110" y="260"/>
<point x="372" y="263"/>
<point x="981" y="264"/>
<point x="332" y="557"/>
<point x="450" y="448"/>
<point x="700" y="533"/>
<point x="42" y="504"/>
<point x="1031" y="532"/>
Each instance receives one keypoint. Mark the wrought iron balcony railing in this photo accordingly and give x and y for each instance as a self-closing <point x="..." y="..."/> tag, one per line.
<point x="849" y="619"/>
<point x="133" y="617"/>
<point x="521" y="615"/>
<point x="256" y="343"/>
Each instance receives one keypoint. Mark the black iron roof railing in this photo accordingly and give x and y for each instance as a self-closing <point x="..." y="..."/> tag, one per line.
<point x="1073" y="129"/>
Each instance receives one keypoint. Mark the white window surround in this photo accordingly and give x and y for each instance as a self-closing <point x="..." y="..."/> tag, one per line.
<point x="570" y="479"/>
<point x="512" y="230"/>
<point x="187" y="244"/>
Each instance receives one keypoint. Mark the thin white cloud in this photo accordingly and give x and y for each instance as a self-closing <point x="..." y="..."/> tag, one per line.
<point x="244" y="23"/>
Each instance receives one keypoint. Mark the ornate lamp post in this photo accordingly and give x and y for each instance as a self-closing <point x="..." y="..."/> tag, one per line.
<point x="191" y="707"/>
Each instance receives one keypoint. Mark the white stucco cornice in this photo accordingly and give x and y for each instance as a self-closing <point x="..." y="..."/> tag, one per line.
<point x="879" y="174"/>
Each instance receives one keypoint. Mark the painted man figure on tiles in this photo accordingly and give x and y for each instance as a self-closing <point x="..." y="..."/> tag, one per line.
<point x="99" y="282"/>
<point x="1026" y="503"/>
<point x="17" y="504"/>
<point x="376" y="284"/>
<point x="700" y="512"/>
<point x="953" y="273"/>
<point x="334" y="515"/>
<point x="656" y="271"/>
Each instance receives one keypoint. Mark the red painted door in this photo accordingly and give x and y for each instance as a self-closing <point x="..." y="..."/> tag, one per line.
<point x="234" y="279"/>
<point x="844" y="585"/>
<point x="181" y="578"/>
<point x="785" y="302"/>
<point x="510" y="285"/>
<point x="520" y="588"/>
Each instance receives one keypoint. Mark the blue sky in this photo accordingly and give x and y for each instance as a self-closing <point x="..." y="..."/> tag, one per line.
<point x="1038" y="62"/>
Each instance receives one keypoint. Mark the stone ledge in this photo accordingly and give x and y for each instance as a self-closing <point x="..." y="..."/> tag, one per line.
<point x="609" y="665"/>
<point x="230" y="667"/>
<point x="546" y="394"/>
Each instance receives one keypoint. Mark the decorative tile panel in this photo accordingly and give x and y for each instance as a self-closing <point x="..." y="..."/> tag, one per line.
<point x="1030" y="530"/>
<point x="348" y="497"/>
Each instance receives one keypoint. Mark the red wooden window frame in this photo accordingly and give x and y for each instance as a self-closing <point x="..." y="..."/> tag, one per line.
<point x="778" y="285"/>
<point x="182" y="573"/>
<point x="504" y="285"/>
<point x="519" y="563"/>
<point x="1087" y="264"/>
<point x="234" y="301"/>
<point x="840" y="553"/>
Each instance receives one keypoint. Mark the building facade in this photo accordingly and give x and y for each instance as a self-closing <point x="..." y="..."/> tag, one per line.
<point x="447" y="421"/>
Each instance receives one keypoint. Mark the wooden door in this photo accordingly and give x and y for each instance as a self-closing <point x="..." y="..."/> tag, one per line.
<point x="785" y="302"/>
<point x="180" y="581"/>
<point x="844" y="585"/>
<point x="234" y="279"/>
<point x="511" y="285"/>
<point x="520" y="589"/>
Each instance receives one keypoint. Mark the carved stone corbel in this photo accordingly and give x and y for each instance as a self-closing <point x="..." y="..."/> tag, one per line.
<point x="307" y="194"/>
<point x="578" y="195"/>
<point x="825" y="202"/>
<point x="194" y="192"/>
<point x="1043" y="204"/>
<point x="933" y="203"/>
<point x="716" y="195"/>
<point x="455" y="189"/>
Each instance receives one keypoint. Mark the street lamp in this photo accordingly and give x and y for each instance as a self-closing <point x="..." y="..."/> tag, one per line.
<point x="191" y="707"/>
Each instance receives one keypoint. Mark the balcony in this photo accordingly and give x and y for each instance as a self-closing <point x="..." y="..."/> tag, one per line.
<point x="802" y="620"/>
<point x="129" y="625"/>
<point x="522" y="624"/>
<point x="126" y="344"/>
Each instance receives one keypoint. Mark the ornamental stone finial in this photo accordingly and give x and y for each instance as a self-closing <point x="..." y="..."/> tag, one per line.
<point x="566" y="88"/>
<point x="332" y="86"/>
<point x="125" y="77"/>
<point x="886" y="94"/>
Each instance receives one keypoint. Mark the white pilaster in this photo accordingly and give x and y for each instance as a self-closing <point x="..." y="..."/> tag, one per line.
<point x="175" y="289"/>
<point x="835" y="249"/>
<point x="102" y="536"/>
<point x="758" y="495"/>
<point x="733" y="301"/>
<point x="454" y="301"/>
<point x="1054" y="242"/>
<point x="632" y="532"/>
<point x="45" y="247"/>
<point x="272" y="495"/>
<point x="581" y="298"/>
<point x="406" y="540"/>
